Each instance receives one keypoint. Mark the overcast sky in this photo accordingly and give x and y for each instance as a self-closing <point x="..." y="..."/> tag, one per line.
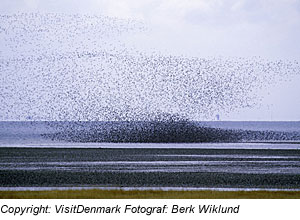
<point x="247" y="28"/>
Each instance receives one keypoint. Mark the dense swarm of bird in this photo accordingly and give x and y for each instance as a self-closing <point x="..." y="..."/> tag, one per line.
<point x="59" y="67"/>
<point x="164" y="131"/>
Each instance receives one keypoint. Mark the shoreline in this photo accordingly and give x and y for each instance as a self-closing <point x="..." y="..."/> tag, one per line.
<point x="105" y="145"/>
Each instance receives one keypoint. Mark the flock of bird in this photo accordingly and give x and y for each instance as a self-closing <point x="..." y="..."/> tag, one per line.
<point x="59" y="67"/>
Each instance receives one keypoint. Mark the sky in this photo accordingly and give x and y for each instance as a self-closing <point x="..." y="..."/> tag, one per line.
<point x="200" y="28"/>
<point x="228" y="28"/>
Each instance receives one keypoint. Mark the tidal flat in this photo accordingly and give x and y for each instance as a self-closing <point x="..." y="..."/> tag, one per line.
<point x="134" y="168"/>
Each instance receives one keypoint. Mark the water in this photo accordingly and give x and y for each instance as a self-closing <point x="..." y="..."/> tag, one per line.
<point x="286" y="126"/>
<point x="31" y="159"/>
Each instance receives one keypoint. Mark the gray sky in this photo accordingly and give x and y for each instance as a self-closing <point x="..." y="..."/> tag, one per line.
<point x="246" y="28"/>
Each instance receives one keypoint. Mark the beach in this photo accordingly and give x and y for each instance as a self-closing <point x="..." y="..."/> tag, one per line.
<point x="154" y="169"/>
<point x="34" y="165"/>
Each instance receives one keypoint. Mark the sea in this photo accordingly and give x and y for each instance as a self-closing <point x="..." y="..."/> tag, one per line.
<point x="214" y="155"/>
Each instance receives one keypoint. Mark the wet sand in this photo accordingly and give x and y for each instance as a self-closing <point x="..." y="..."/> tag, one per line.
<point x="152" y="167"/>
